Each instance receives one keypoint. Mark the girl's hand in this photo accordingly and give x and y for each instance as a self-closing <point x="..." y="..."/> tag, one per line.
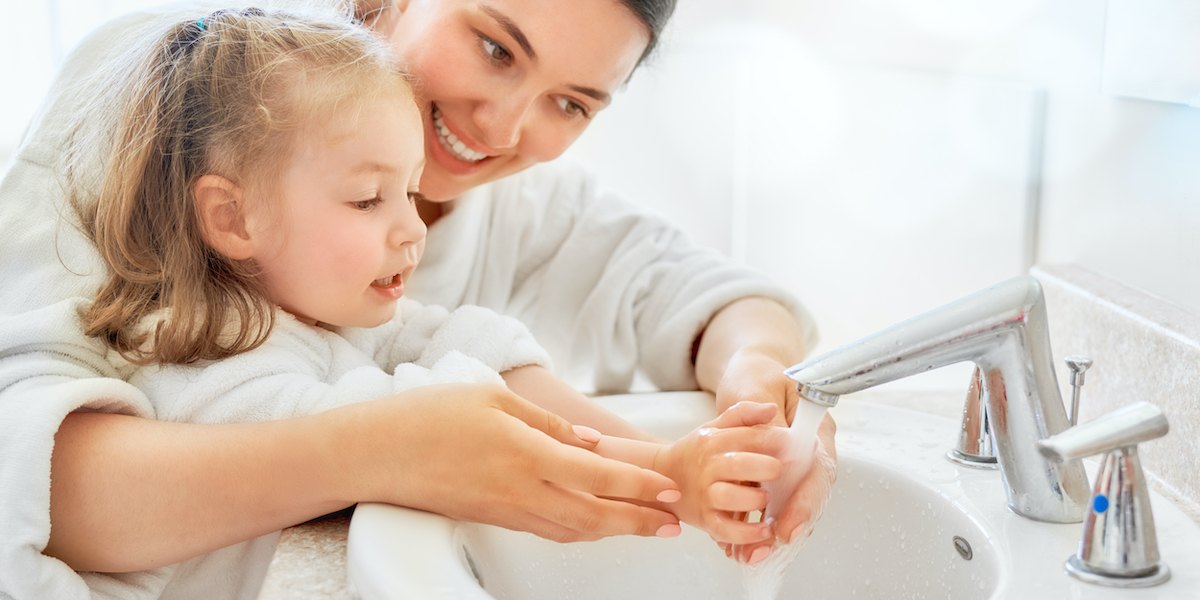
<point x="807" y="502"/>
<point x="481" y="453"/>
<point x="719" y="466"/>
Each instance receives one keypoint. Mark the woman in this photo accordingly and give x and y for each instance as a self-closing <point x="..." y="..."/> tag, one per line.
<point x="507" y="84"/>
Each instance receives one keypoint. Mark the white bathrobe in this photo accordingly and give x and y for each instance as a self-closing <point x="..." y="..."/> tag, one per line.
<point x="608" y="290"/>
<point x="298" y="370"/>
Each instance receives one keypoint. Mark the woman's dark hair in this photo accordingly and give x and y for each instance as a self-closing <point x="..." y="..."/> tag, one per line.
<point x="654" y="14"/>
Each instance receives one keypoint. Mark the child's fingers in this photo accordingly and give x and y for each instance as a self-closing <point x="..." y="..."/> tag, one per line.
<point x="723" y="528"/>
<point x="761" y="439"/>
<point x="744" y="552"/>
<point x="734" y="498"/>
<point x="744" y="466"/>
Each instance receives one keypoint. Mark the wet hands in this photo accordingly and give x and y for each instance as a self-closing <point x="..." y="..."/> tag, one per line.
<point x="481" y="453"/>
<point x="719" y="467"/>
<point x="755" y="376"/>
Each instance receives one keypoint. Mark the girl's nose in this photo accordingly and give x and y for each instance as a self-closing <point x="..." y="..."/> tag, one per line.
<point x="408" y="229"/>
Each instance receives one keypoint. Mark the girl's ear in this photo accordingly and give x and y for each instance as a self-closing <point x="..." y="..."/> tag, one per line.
<point x="221" y="208"/>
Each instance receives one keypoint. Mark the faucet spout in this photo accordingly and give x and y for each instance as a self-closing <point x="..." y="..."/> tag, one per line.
<point x="1004" y="331"/>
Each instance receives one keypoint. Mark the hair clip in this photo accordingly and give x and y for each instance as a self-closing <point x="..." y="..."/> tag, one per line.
<point x="200" y="24"/>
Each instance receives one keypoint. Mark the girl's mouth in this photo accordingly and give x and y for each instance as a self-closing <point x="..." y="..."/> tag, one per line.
<point x="387" y="282"/>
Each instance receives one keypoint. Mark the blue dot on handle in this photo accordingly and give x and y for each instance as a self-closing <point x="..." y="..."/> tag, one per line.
<point x="1100" y="503"/>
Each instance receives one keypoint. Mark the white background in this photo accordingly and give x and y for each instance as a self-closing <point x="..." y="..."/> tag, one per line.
<point x="880" y="157"/>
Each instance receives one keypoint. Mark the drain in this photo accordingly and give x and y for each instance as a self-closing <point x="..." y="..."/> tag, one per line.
<point x="963" y="547"/>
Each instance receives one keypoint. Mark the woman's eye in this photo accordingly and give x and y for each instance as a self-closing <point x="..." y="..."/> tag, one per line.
<point x="367" y="204"/>
<point x="572" y="109"/>
<point x="494" y="51"/>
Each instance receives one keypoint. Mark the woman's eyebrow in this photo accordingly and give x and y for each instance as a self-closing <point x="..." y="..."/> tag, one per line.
<point x="511" y="28"/>
<point x="600" y="96"/>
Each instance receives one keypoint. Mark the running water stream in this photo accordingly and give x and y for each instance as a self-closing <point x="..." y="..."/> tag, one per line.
<point x="763" y="581"/>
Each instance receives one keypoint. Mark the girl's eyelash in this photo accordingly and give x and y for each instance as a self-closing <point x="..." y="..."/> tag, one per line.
<point x="367" y="204"/>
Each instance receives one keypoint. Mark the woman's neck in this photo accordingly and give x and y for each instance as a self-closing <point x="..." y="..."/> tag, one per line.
<point x="431" y="211"/>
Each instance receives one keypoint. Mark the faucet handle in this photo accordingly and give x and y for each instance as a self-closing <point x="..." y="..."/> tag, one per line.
<point x="1121" y="428"/>
<point x="1119" y="546"/>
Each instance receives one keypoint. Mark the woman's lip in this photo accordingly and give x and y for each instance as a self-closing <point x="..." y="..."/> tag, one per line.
<point x="442" y="156"/>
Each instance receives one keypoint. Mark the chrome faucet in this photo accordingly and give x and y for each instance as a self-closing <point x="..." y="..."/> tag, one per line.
<point x="1003" y="330"/>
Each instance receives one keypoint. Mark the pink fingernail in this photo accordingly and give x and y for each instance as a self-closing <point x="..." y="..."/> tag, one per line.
<point x="759" y="555"/>
<point x="669" y="496"/>
<point x="669" y="530"/>
<point x="586" y="433"/>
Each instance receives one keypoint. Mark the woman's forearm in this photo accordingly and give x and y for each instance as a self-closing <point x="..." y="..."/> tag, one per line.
<point x="756" y="327"/>
<point x="129" y="493"/>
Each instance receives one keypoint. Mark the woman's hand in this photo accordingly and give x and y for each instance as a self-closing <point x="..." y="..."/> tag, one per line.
<point x="481" y="453"/>
<point x="753" y="376"/>
<point x="800" y="512"/>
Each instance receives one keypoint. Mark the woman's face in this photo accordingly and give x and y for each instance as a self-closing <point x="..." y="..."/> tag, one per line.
<point x="505" y="84"/>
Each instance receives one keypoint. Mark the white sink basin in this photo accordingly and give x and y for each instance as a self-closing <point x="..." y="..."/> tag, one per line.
<point x="899" y="525"/>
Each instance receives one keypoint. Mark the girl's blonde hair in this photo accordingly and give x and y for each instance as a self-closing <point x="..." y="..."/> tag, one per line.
<point x="223" y="95"/>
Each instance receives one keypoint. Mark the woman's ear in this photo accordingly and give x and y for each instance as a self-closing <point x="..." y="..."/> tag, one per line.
<point x="221" y="207"/>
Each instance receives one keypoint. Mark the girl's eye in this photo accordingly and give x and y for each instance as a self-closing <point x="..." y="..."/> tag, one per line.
<point x="494" y="51"/>
<point x="365" y="205"/>
<point x="572" y="109"/>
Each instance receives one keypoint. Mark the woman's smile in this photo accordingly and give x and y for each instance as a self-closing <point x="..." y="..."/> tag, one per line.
<point x="451" y="149"/>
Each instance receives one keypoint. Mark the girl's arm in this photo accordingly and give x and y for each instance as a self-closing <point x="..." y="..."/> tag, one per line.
<point x="542" y="387"/>
<point x="130" y="493"/>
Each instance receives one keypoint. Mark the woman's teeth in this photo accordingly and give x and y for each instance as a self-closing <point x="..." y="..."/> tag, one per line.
<point x="451" y="142"/>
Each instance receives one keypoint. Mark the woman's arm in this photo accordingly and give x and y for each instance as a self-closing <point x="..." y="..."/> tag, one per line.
<point x="130" y="494"/>
<point x="741" y="356"/>
<point x="743" y="351"/>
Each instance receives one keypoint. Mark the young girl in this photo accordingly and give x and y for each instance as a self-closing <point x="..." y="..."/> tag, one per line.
<point x="257" y="220"/>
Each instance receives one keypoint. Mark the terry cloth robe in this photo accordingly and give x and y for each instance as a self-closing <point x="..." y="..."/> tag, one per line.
<point x="610" y="290"/>
<point x="606" y="288"/>
<point x="298" y="370"/>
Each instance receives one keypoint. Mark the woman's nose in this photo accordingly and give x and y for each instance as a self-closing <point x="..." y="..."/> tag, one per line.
<point x="501" y="121"/>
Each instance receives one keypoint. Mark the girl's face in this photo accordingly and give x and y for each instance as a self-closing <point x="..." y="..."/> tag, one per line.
<point x="505" y="84"/>
<point x="343" y="235"/>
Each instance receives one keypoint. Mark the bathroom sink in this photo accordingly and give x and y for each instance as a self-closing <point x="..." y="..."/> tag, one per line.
<point x="903" y="522"/>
